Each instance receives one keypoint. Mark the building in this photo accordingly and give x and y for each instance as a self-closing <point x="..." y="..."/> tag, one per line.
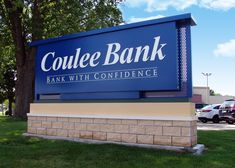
<point x="201" y="95"/>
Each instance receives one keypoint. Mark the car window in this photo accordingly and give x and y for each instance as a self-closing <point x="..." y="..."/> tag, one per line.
<point x="227" y="103"/>
<point x="206" y="107"/>
<point x="198" y="106"/>
<point x="217" y="107"/>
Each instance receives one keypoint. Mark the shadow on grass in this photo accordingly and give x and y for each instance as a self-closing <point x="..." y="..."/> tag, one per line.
<point x="10" y="119"/>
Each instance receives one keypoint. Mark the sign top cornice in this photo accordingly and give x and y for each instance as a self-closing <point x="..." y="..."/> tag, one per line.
<point x="186" y="18"/>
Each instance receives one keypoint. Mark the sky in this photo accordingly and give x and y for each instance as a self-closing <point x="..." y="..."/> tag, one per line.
<point x="213" y="39"/>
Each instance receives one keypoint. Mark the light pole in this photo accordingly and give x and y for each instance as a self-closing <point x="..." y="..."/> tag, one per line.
<point x="207" y="93"/>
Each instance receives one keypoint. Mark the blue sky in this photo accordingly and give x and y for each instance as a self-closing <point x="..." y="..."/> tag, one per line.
<point x="213" y="39"/>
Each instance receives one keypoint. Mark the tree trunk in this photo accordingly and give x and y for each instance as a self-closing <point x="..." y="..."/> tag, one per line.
<point x="24" y="66"/>
<point x="24" y="57"/>
<point x="25" y="86"/>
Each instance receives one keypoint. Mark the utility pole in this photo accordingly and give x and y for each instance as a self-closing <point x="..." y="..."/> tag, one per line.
<point x="207" y="86"/>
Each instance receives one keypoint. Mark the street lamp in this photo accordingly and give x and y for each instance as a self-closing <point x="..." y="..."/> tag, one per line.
<point x="207" y="93"/>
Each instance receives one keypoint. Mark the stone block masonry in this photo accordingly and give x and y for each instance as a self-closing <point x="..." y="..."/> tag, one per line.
<point x="153" y="132"/>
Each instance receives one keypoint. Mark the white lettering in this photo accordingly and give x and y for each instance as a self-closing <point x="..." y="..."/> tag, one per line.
<point x="154" y="72"/>
<point x="157" y="51"/>
<point x="147" y="72"/>
<point x="71" y="78"/>
<point x="110" y="53"/>
<point x="96" y="76"/>
<point x="43" y="63"/>
<point x="128" y="58"/>
<point x="139" y="51"/>
<point x="67" y="64"/>
<point x="83" y="59"/>
<point x="115" y="54"/>
<point x="94" y="58"/>
<point x="75" y="64"/>
<point x="57" y="63"/>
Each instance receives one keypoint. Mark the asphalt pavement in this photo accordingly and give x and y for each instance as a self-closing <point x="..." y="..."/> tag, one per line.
<point x="211" y="126"/>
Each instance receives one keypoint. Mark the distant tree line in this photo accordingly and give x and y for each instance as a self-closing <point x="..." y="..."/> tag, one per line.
<point x="212" y="93"/>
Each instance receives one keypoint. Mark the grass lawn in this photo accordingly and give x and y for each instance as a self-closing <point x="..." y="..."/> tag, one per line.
<point x="17" y="151"/>
<point x="2" y="113"/>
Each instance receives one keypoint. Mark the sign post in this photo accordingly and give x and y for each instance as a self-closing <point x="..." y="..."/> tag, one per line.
<point x="130" y="83"/>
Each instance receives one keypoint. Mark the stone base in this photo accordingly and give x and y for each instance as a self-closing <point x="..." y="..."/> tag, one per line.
<point x="196" y="149"/>
<point x="181" y="133"/>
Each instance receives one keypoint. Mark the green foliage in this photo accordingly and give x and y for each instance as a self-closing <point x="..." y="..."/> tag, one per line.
<point x="6" y="51"/>
<point x="2" y="97"/>
<point x="75" y="16"/>
<point x="7" y="86"/>
<point x="57" y="18"/>
<point x="23" y="152"/>
<point x="212" y="93"/>
<point x="7" y="78"/>
<point x="7" y="57"/>
<point x="24" y="21"/>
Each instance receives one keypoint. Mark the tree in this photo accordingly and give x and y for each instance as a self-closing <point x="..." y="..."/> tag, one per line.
<point x="212" y="92"/>
<point x="7" y="67"/>
<point x="8" y="85"/>
<point x="30" y="20"/>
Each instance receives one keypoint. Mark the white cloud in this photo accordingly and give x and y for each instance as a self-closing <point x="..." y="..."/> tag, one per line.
<point x="160" y="5"/>
<point x="139" y="19"/>
<point x="136" y="3"/>
<point x="225" y="49"/>
<point x="217" y="4"/>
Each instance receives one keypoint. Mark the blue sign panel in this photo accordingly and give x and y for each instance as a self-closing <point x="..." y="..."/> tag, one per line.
<point x="132" y="59"/>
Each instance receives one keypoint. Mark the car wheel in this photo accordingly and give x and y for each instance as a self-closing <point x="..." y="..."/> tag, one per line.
<point x="204" y="120"/>
<point x="230" y="121"/>
<point x="216" y="119"/>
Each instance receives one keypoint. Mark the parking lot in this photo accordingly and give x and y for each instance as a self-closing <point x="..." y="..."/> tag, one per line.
<point x="212" y="126"/>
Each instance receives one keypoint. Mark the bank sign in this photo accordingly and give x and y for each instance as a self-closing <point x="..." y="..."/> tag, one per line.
<point x="126" y="59"/>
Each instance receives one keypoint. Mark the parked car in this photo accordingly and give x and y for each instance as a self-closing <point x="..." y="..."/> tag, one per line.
<point x="209" y="113"/>
<point x="199" y="106"/>
<point x="227" y="111"/>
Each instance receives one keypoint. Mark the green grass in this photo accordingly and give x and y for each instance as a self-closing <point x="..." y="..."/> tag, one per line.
<point x="2" y="113"/>
<point x="17" y="151"/>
